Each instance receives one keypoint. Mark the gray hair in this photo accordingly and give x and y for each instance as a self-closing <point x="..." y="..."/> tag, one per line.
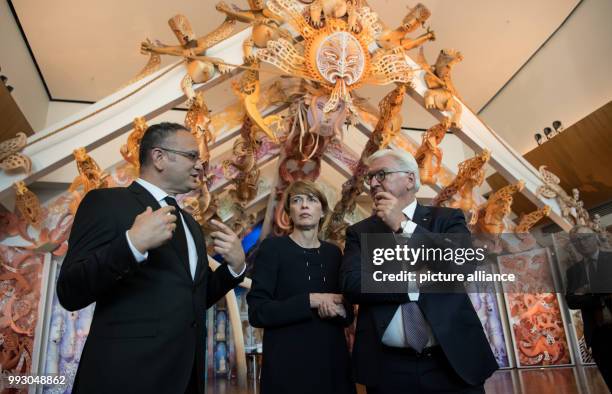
<point x="405" y="162"/>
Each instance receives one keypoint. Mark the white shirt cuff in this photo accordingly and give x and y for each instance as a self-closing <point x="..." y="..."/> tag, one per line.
<point x="137" y="255"/>
<point x="234" y="274"/>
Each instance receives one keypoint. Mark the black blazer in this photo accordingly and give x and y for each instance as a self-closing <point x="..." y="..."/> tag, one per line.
<point x="452" y="317"/>
<point x="591" y="303"/>
<point x="148" y="328"/>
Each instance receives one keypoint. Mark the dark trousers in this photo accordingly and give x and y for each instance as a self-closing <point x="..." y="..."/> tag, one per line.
<point x="405" y="372"/>
<point x="192" y="386"/>
<point x="601" y="347"/>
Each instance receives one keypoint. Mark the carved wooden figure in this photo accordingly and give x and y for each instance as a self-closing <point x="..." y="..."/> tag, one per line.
<point x="429" y="155"/>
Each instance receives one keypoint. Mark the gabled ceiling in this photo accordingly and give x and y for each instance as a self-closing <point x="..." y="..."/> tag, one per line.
<point x="87" y="50"/>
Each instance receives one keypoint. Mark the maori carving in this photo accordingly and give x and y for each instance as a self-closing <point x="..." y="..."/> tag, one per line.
<point x="198" y="122"/>
<point x="491" y="214"/>
<point x="152" y="65"/>
<point x="27" y="204"/>
<point x="11" y="160"/>
<point x="242" y="168"/>
<point x="200" y="68"/>
<point x="429" y="155"/>
<point x="335" y="54"/>
<point x="131" y="149"/>
<point x="248" y="90"/>
<point x="416" y="17"/>
<point x="470" y="175"/>
<point x="526" y="222"/>
<point x="265" y="25"/>
<point x="441" y="94"/>
<point x="572" y="208"/>
<point x="488" y="221"/>
<point x="202" y="205"/>
<point x="520" y="239"/>
<point x="19" y="296"/>
<point x="90" y="177"/>
<point x="389" y="120"/>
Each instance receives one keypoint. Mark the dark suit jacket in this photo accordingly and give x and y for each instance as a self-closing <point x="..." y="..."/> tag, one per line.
<point x="591" y="303"/>
<point x="452" y="317"/>
<point x="148" y="327"/>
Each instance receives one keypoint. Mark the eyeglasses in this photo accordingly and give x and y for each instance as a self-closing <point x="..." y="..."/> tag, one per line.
<point x="193" y="156"/>
<point x="379" y="175"/>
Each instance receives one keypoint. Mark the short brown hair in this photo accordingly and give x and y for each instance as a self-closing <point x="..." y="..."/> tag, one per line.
<point x="307" y="188"/>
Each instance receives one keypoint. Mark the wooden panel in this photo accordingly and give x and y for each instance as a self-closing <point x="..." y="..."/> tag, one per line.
<point x="12" y="119"/>
<point x="581" y="156"/>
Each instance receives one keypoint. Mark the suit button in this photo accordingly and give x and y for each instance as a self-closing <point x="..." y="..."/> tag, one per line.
<point x="193" y="289"/>
<point x="194" y="324"/>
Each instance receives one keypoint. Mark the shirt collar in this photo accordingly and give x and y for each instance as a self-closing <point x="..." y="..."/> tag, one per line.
<point x="155" y="191"/>
<point x="409" y="209"/>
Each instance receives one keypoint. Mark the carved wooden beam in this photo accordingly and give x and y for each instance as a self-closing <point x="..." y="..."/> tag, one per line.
<point x="478" y="136"/>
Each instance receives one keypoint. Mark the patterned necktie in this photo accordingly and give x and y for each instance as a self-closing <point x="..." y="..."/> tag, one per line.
<point x="179" y="239"/>
<point x="415" y="326"/>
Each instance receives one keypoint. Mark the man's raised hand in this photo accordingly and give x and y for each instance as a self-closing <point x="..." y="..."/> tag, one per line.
<point x="228" y="245"/>
<point x="386" y="207"/>
<point x="152" y="228"/>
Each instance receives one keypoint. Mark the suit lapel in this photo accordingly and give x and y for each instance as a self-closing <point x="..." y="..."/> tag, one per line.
<point x="147" y="200"/>
<point x="422" y="217"/>
<point x="143" y="196"/>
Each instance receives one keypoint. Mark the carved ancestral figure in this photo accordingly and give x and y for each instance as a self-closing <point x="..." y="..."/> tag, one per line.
<point x="90" y="177"/>
<point x="242" y="168"/>
<point x="491" y="214"/>
<point x="265" y="25"/>
<point x="470" y="175"/>
<point x="527" y="221"/>
<point x="203" y="68"/>
<point x="248" y="90"/>
<point x="322" y="10"/>
<point x="130" y="150"/>
<point x="520" y="239"/>
<point x="429" y="155"/>
<point x="416" y="17"/>
<point x="572" y="209"/>
<point x="442" y="93"/>
<point x="28" y="205"/>
<point x="198" y="121"/>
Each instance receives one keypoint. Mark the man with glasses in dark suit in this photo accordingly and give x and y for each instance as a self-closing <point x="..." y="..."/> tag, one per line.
<point x="412" y="341"/>
<point x="589" y="288"/>
<point x="143" y="261"/>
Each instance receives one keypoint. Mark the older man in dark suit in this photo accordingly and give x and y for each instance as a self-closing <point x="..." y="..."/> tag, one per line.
<point x="413" y="341"/>
<point x="589" y="288"/>
<point x="143" y="261"/>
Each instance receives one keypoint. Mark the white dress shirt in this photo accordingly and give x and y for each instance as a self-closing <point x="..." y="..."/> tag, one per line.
<point x="159" y="195"/>
<point x="394" y="334"/>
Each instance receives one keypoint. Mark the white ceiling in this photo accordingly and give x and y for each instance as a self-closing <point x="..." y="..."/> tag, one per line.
<point x="88" y="49"/>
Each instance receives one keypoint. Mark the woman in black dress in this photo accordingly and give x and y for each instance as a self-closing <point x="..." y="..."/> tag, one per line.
<point x="295" y="298"/>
